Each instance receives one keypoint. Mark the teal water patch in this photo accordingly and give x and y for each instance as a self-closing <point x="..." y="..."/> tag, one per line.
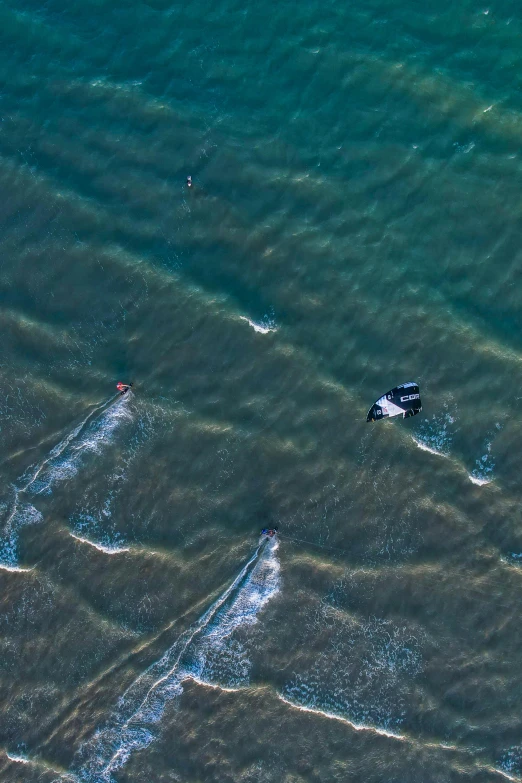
<point x="353" y="222"/>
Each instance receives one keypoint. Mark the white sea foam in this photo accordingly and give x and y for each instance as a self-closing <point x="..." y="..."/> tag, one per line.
<point x="92" y="520"/>
<point x="22" y="514"/>
<point x="108" y="550"/>
<point x="480" y="481"/>
<point x="342" y="718"/>
<point x="510" y="765"/>
<point x="14" y="568"/>
<point x="263" y="327"/>
<point x="425" y="447"/>
<point x="206" y="653"/>
<point x="435" y="435"/>
<point x="62" y="463"/>
<point x="66" y="461"/>
<point x="484" y="467"/>
<point x="363" y="673"/>
<point x="504" y="774"/>
<point x="18" y="759"/>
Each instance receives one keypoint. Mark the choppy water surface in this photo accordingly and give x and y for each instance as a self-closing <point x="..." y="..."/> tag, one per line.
<point x="354" y="223"/>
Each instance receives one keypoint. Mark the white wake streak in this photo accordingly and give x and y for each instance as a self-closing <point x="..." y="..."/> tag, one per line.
<point x="192" y="656"/>
<point x="62" y="463"/>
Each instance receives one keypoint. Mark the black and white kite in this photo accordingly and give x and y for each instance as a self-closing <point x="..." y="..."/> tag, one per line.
<point x="403" y="401"/>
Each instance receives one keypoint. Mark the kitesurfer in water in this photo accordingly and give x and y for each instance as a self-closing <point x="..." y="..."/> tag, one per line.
<point x="123" y="388"/>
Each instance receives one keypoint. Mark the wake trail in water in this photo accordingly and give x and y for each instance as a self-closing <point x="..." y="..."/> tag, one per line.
<point x="205" y="653"/>
<point x="62" y="463"/>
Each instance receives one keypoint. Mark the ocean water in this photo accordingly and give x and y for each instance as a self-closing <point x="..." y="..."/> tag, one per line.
<point x="354" y="223"/>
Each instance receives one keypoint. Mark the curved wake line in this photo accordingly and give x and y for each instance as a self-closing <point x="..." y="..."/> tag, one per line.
<point x="58" y="450"/>
<point x="192" y="657"/>
<point x="96" y="428"/>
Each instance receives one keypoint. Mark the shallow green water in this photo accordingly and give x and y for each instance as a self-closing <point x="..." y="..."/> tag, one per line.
<point x="354" y="223"/>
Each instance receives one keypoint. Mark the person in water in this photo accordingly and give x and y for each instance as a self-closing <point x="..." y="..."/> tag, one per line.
<point x="123" y="387"/>
<point x="269" y="531"/>
<point x="189" y="181"/>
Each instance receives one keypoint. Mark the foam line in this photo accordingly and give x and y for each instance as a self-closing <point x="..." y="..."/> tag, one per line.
<point x="18" y="759"/>
<point x="100" y="547"/>
<point x="398" y="737"/>
<point x="342" y="719"/>
<point x="66" y="777"/>
<point x="424" y="447"/>
<point x="259" y="327"/>
<point x="4" y="567"/>
<point x="479" y="481"/>
<point x="504" y="774"/>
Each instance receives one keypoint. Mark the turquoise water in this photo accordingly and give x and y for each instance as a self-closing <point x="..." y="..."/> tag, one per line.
<point x="353" y="224"/>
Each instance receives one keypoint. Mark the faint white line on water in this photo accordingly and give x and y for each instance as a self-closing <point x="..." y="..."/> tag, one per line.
<point x="214" y="685"/>
<point x="342" y="719"/>
<point x="503" y="773"/>
<point x="423" y="446"/>
<point x="66" y="777"/>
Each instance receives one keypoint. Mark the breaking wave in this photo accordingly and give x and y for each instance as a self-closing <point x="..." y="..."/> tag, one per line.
<point x="364" y="673"/>
<point x="108" y="550"/>
<point x="207" y="653"/>
<point x="266" y="325"/>
<point x="436" y="434"/>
